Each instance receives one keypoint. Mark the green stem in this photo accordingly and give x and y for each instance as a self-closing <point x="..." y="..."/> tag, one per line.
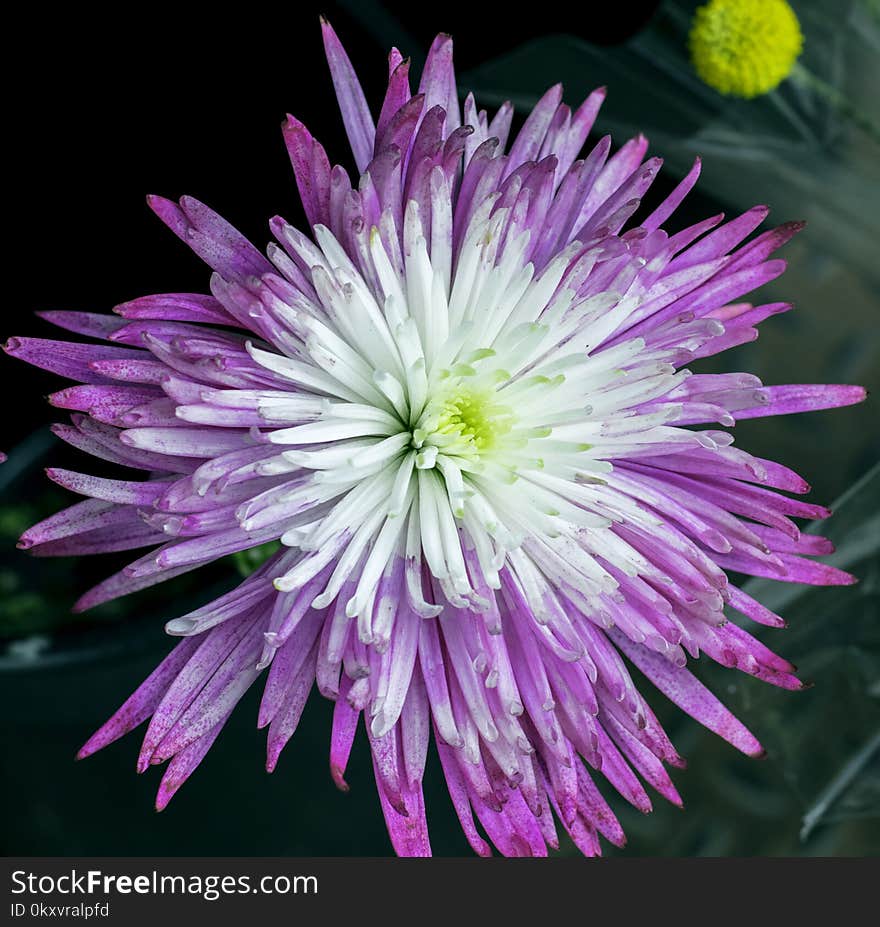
<point x="836" y="99"/>
<point x="838" y="785"/>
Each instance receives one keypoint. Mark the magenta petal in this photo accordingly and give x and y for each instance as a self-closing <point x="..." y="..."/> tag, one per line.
<point x="91" y="324"/>
<point x="352" y="103"/>
<point x="786" y="400"/>
<point x="66" y="358"/>
<point x="438" y="81"/>
<point x="408" y="833"/>
<point x="184" y="765"/>
<point x="213" y="239"/>
<point x="690" y="695"/>
<point x="143" y="701"/>
<point x="345" y="719"/>
<point x="396" y="96"/>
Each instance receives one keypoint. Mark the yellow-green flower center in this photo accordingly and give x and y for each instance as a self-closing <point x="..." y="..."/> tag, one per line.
<point x="464" y="419"/>
<point x="473" y="416"/>
<point x="745" y="48"/>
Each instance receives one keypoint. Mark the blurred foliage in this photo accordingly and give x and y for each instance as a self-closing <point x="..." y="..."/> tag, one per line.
<point x="817" y="793"/>
<point x="37" y="592"/>
<point x="246" y="561"/>
<point x="795" y="148"/>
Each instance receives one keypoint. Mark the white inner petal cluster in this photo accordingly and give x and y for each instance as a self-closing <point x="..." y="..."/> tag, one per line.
<point x="447" y="417"/>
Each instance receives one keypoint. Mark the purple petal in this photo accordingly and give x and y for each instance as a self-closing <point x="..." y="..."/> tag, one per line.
<point x="356" y="116"/>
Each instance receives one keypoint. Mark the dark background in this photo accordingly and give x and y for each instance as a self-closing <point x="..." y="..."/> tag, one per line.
<point x="189" y="102"/>
<point x="110" y="109"/>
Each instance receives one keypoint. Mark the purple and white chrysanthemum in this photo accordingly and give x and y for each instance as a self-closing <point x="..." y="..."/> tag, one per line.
<point x="462" y="405"/>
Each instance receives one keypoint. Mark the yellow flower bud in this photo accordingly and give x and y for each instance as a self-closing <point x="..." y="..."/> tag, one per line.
<point x="745" y="48"/>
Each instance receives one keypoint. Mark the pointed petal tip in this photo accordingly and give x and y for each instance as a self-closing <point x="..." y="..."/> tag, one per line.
<point x="441" y="39"/>
<point x="293" y="124"/>
<point x="97" y="742"/>
<point x="190" y="202"/>
<point x="338" y="775"/>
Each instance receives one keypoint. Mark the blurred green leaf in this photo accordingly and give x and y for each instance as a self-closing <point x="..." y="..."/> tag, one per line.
<point x="246" y="561"/>
<point x="855" y="775"/>
<point x="818" y="791"/>
<point x="837" y="630"/>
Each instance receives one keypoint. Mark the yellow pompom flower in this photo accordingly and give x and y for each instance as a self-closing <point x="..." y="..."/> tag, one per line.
<point x="745" y="48"/>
